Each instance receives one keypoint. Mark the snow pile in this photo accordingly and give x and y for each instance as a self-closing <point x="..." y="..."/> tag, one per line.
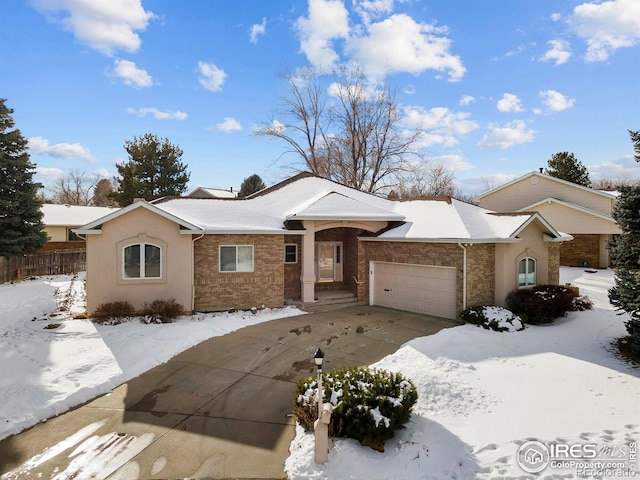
<point x="496" y="318"/>
<point x="482" y="395"/>
<point x="50" y="362"/>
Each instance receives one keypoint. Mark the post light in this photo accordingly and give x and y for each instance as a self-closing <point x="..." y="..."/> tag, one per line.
<point x="321" y="425"/>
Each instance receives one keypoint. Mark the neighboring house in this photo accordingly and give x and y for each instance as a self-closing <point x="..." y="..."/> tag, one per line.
<point x="307" y="233"/>
<point x="582" y="212"/>
<point x="203" y="192"/>
<point x="60" y="220"/>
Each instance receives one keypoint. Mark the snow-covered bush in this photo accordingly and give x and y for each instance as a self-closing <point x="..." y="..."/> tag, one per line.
<point x="493" y="318"/>
<point x="158" y="311"/>
<point x="540" y="304"/>
<point x="113" y="313"/>
<point x="369" y="404"/>
<point x="161" y="311"/>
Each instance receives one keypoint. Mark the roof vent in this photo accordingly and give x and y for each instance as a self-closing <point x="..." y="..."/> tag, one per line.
<point x="541" y="169"/>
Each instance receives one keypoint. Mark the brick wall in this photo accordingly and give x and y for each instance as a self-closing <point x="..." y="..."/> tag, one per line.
<point x="481" y="284"/>
<point x="583" y="248"/>
<point x="554" y="263"/>
<point x="52" y="246"/>
<point x="215" y="290"/>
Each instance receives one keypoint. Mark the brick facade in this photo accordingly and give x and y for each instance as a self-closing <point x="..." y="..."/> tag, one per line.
<point x="554" y="263"/>
<point x="53" y="246"/>
<point x="583" y="248"/>
<point x="481" y="275"/>
<point x="215" y="290"/>
<point x="292" y="271"/>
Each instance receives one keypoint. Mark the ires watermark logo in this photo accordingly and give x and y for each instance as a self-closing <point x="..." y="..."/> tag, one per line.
<point x="587" y="460"/>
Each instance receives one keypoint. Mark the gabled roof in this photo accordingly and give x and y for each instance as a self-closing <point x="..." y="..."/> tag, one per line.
<point x="72" y="215"/>
<point x="204" y="192"/>
<point x="340" y="207"/>
<point x="570" y="205"/>
<point x="95" y="226"/>
<point x="548" y="177"/>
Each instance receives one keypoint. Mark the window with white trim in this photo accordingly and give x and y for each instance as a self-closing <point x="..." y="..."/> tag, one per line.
<point x="291" y="253"/>
<point x="142" y="260"/>
<point x="527" y="272"/>
<point x="236" y="258"/>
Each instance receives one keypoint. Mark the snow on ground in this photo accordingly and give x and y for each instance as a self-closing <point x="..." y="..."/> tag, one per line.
<point x="46" y="371"/>
<point x="483" y="394"/>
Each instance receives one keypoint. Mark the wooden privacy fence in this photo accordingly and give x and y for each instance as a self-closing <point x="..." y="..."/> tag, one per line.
<point x="42" y="263"/>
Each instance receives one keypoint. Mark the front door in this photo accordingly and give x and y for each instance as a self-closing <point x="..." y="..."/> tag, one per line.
<point x="329" y="261"/>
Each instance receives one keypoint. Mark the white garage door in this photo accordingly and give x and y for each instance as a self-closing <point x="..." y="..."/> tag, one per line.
<point x="416" y="288"/>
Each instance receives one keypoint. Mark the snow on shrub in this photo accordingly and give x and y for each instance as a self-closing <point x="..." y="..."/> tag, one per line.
<point x="369" y="404"/>
<point x="493" y="318"/>
<point x="540" y="304"/>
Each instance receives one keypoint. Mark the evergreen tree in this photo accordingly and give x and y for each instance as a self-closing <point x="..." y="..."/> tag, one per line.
<point x="250" y="185"/>
<point x="154" y="170"/>
<point x="635" y="139"/>
<point x="566" y="166"/>
<point x="21" y="227"/>
<point x="625" y="253"/>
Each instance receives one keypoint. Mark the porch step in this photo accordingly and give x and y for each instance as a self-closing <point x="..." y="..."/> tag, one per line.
<point x="330" y="300"/>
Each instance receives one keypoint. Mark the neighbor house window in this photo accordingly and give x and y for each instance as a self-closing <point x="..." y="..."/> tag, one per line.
<point x="72" y="237"/>
<point x="236" y="258"/>
<point x="291" y="253"/>
<point x="527" y="272"/>
<point x="142" y="260"/>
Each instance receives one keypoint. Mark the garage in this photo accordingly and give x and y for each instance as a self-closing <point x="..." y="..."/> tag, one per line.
<point x="426" y="289"/>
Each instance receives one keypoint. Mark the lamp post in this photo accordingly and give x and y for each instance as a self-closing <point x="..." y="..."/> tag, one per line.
<point x="319" y="359"/>
<point x="321" y="425"/>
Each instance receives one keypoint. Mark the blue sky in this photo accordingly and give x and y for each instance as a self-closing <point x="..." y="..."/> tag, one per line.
<point x="497" y="87"/>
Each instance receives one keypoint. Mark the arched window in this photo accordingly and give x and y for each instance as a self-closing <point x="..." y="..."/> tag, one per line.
<point x="142" y="260"/>
<point x="527" y="272"/>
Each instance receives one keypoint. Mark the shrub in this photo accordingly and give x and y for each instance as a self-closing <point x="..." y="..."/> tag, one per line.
<point x="540" y="304"/>
<point x="493" y="318"/>
<point x="113" y="312"/>
<point x="161" y="311"/>
<point x="579" y="304"/>
<point x="369" y="405"/>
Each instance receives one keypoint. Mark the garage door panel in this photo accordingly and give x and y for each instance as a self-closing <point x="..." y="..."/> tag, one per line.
<point x="417" y="288"/>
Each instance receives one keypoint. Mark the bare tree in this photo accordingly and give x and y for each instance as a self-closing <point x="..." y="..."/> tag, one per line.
<point x="610" y="184"/>
<point x="345" y="132"/>
<point x="74" y="188"/>
<point x="429" y="182"/>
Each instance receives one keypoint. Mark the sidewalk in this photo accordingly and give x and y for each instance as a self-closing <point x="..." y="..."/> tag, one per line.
<point x="221" y="409"/>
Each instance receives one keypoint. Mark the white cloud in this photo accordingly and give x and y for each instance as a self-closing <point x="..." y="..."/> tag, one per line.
<point x="49" y="173"/>
<point x="328" y="20"/>
<point x="466" y="100"/>
<point x="131" y="75"/>
<point x="508" y="135"/>
<point x="606" y="26"/>
<point x="103" y="173"/>
<point x="229" y="125"/>
<point x="451" y="162"/>
<point x="67" y="151"/>
<point x="157" y="114"/>
<point x="509" y="103"/>
<point x="554" y="101"/>
<point x="369" y="9"/>
<point x="211" y="77"/>
<point x="400" y="44"/>
<point x="105" y="26"/>
<point x="439" y="125"/>
<point x="559" y="52"/>
<point x="257" y="30"/>
<point x="556" y="16"/>
<point x="621" y="168"/>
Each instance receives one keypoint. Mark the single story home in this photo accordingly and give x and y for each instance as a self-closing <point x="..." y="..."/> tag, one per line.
<point x="60" y="220"/>
<point x="582" y="212"/>
<point x="204" y="192"/>
<point x="306" y="234"/>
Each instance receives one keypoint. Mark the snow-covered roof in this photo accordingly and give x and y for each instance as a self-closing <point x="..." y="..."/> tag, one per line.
<point x="205" y="192"/>
<point x="72" y="215"/>
<point x="307" y="197"/>
<point x="568" y="205"/>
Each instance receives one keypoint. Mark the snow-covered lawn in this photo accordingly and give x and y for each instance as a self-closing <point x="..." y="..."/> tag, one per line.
<point x="483" y="394"/>
<point x="46" y="371"/>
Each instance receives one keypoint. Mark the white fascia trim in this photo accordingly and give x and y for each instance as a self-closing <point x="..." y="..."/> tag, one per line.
<point x="247" y="232"/>
<point x="466" y="241"/>
<point x="350" y="218"/>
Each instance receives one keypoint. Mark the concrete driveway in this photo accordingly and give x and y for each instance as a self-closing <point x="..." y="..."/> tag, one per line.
<point x="221" y="409"/>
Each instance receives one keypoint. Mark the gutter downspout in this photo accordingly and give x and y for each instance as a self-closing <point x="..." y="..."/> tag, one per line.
<point x="464" y="275"/>
<point x="193" y="269"/>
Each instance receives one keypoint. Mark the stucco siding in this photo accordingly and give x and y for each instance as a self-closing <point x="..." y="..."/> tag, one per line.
<point x="105" y="281"/>
<point x="523" y="193"/>
<point x="570" y="220"/>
